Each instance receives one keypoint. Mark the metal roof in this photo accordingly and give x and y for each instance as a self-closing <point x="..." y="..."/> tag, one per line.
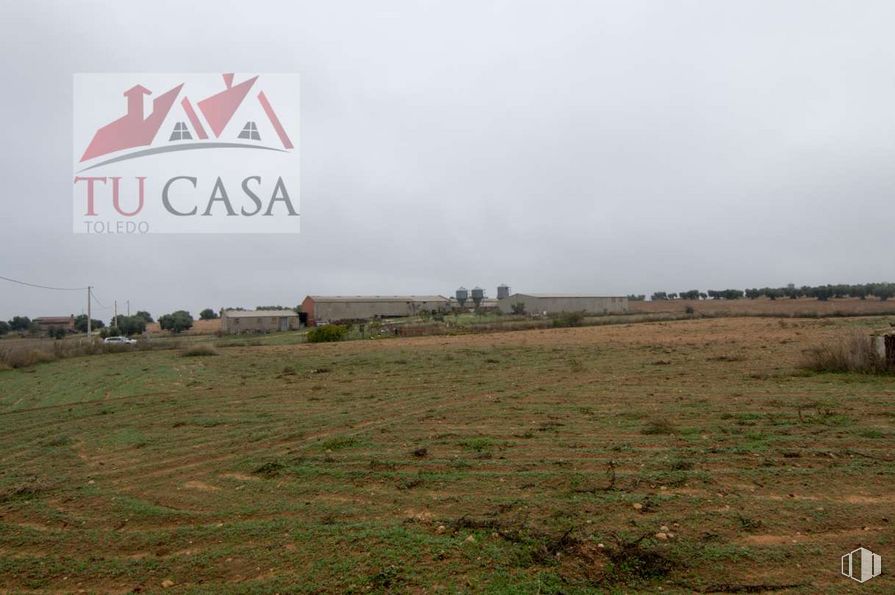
<point x="378" y="298"/>
<point x="53" y="319"/>
<point x="560" y="295"/>
<point x="258" y="313"/>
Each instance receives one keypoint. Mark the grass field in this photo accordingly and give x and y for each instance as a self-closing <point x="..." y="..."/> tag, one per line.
<point x="810" y="307"/>
<point x="685" y="456"/>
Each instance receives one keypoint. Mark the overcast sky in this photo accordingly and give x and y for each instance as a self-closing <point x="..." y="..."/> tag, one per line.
<point x="600" y="147"/>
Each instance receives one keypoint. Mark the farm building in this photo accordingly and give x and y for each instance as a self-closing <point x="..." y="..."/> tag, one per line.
<point x="320" y="308"/>
<point x="49" y="323"/>
<point x="540" y="303"/>
<point x="258" y="321"/>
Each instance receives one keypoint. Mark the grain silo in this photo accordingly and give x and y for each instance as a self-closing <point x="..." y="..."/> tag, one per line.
<point x="478" y="294"/>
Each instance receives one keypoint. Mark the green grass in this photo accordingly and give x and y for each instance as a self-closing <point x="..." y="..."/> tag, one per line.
<point x="281" y="466"/>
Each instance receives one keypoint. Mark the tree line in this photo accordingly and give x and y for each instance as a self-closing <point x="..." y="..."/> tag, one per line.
<point x="176" y="322"/>
<point x="880" y="291"/>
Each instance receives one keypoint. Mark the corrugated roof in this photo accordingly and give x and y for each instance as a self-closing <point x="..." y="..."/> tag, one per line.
<point x="53" y="319"/>
<point x="378" y="298"/>
<point x="561" y="295"/>
<point x="258" y="313"/>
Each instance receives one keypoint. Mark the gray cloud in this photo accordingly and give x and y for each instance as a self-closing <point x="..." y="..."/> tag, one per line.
<point x="612" y="147"/>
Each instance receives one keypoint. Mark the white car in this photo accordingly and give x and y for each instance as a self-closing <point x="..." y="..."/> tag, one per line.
<point x="119" y="341"/>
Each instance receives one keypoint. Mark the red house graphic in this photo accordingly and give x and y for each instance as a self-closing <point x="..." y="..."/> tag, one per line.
<point x="134" y="130"/>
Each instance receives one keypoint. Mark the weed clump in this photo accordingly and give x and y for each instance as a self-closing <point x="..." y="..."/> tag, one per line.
<point x="851" y="353"/>
<point x="566" y="319"/>
<point x="329" y="333"/>
<point x="340" y="443"/>
<point x="629" y="561"/>
<point x="659" y="427"/>
<point x="270" y="469"/>
<point x="199" y="351"/>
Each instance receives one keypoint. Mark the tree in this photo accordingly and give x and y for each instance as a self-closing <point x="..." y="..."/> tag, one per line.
<point x="822" y="293"/>
<point x="658" y="296"/>
<point x="518" y="308"/>
<point x="4" y="327"/>
<point x="207" y="314"/>
<point x="146" y="316"/>
<point x="130" y="325"/>
<point x="81" y="323"/>
<point x="692" y="294"/>
<point x="20" y="323"/>
<point x="772" y="292"/>
<point x="884" y="291"/>
<point x="726" y="294"/>
<point x="176" y="322"/>
<point x="57" y="332"/>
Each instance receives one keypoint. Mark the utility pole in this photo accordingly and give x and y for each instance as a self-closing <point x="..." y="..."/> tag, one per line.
<point x="128" y="308"/>
<point x="88" y="310"/>
<point x="115" y="317"/>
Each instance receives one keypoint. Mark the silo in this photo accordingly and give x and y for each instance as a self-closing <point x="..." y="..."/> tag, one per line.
<point x="462" y="296"/>
<point x="478" y="294"/>
<point x="503" y="291"/>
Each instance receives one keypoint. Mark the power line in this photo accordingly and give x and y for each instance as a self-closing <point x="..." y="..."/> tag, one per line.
<point x="25" y="283"/>
<point x="97" y="300"/>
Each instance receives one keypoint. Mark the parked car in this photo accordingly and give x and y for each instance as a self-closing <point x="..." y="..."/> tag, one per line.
<point x="119" y="341"/>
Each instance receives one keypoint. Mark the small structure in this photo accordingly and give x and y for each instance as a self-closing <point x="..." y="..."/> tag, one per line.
<point x="258" y="321"/>
<point x="503" y="291"/>
<point x="554" y="303"/>
<point x="884" y="345"/>
<point x="51" y="323"/>
<point x="333" y="308"/>
<point x="478" y="295"/>
<point x="462" y="296"/>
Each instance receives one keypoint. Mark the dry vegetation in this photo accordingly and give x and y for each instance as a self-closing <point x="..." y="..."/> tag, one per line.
<point x="850" y="352"/>
<point x="692" y="455"/>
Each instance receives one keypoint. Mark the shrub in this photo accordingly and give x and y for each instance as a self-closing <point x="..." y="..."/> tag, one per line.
<point x="328" y="333"/>
<point x="853" y="352"/>
<point x="22" y="357"/>
<point x="199" y="351"/>
<point x="568" y="319"/>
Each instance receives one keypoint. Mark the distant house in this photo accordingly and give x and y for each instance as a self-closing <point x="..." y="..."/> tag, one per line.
<point x="541" y="303"/>
<point x="321" y="308"/>
<point x="51" y="323"/>
<point x="258" y="321"/>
